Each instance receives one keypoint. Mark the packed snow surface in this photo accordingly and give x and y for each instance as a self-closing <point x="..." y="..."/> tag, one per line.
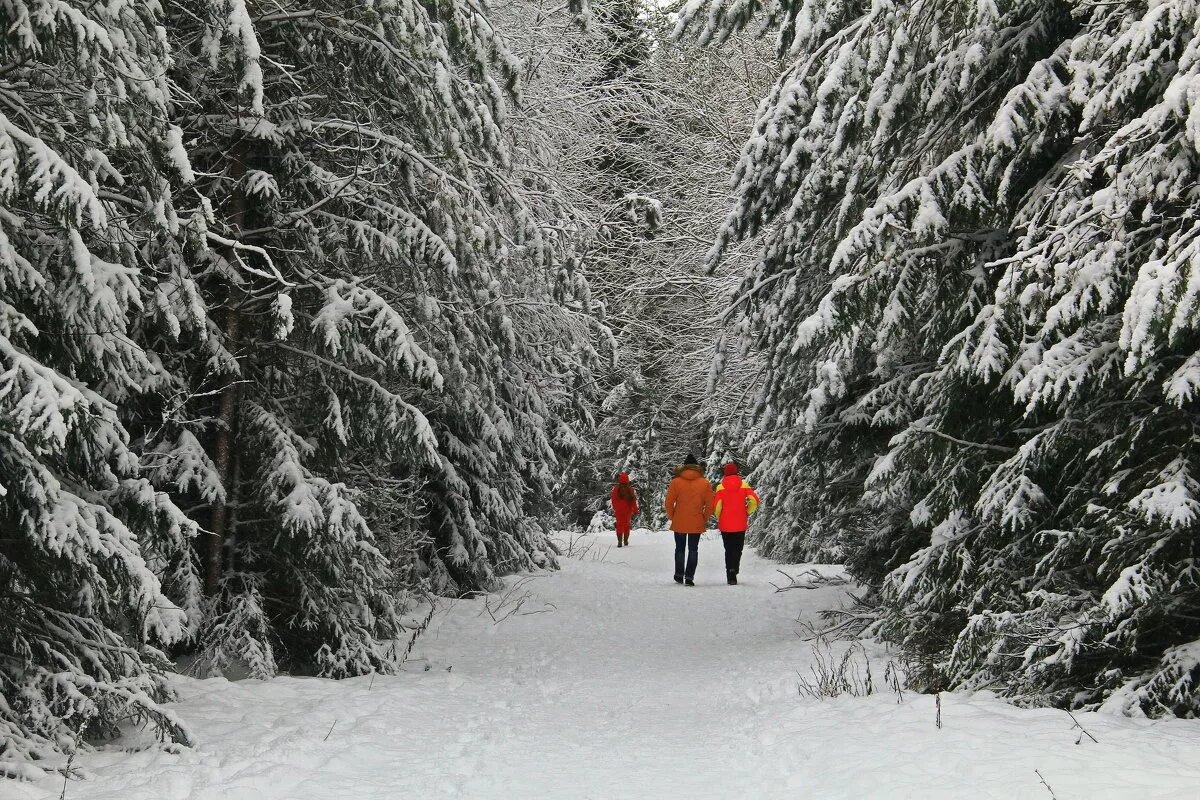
<point x="608" y="680"/>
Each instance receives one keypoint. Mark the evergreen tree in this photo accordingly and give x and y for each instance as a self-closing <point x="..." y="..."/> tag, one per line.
<point x="370" y="264"/>
<point x="90" y="244"/>
<point x="582" y="131"/>
<point x="977" y="306"/>
<point x="646" y="122"/>
<point x="272" y="295"/>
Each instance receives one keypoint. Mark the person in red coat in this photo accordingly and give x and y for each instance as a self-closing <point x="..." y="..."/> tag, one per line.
<point x="736" y="501"/>
<point x="624" y="505"/>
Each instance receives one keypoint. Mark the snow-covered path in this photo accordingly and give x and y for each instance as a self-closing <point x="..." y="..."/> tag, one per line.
<point x="611" y="681"/>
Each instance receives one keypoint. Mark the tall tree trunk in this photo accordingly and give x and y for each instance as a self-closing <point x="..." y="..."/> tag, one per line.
<point x="223" y="458"/>
<point x="223" y="443"/>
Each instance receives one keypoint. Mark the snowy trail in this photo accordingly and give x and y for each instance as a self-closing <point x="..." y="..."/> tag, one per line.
<point x="610" y="682"/>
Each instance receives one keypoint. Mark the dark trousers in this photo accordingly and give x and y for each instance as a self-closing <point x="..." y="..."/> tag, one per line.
<point x="692" y="542"/>
<point x="734" y="542"/>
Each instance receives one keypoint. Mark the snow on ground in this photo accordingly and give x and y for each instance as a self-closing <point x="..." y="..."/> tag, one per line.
<point x="607" y="681"/>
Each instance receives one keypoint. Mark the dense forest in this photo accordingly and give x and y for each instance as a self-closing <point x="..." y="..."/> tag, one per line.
<point x="311" y="312"/>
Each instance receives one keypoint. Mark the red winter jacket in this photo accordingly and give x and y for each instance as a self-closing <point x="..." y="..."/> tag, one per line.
<point x="623" y="509"/>
<point x="736" y="501"/>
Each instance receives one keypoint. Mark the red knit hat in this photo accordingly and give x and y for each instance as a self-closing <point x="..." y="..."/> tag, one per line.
<point x="623" y="477"/>
<point x="731" y="468"/>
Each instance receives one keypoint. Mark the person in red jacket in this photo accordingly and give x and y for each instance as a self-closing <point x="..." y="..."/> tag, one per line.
<point x="736" y="501"/>
<point x="624" y="505"/>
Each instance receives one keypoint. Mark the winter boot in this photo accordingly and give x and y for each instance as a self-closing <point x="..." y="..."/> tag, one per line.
<point x="679" y="579"/>
<point x="627" y="540"/>
<point x="618" y="540"/>
<point x="731" y="578"/>
<point x="689" y="582"/>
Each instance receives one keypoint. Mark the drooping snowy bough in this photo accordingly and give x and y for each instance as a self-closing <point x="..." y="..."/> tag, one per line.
<point x="979" y="298"/>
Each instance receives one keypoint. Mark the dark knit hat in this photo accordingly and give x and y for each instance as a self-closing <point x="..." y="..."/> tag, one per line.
<point x="691" y="459"/>
<point x="731" y="468"/>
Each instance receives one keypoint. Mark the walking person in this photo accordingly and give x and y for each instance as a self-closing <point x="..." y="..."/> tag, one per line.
<point x="690" y="502"/>
<point x="624" y="506"/>
<point x="736" y="501"/>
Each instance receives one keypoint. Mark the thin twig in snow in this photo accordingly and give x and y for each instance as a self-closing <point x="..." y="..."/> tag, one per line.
<point x="1043" y="780"/>
<point x="1082" y="730"/>
<point x="815" y="580"/>
<point x="71" y="757"/>
<point x="510" y="603"/>
<point x="421" y="628"/>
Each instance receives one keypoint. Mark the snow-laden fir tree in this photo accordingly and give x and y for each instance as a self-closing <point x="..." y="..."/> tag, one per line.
<point x="639" y="132"/>
<point x="582" y="123"/>
<point x="698" y="106"/>
<point x="90" y="245"/>
<point x="978" y="298"/>
<point x="390" y="378"/>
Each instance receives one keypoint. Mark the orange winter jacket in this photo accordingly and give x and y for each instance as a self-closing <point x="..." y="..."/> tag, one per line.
<point x="736" y="501"/>
<point x="690" y="500"/>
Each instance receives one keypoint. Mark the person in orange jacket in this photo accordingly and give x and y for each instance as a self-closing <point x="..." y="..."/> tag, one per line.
<point x="736" y="501"/>
<point x="690" y="503"/>
<point x="624" y="506"/>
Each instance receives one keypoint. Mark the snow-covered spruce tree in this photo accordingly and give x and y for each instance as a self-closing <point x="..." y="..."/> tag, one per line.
<point x="698" y="106"/>
<point x="703" y="106"/>
<point x="633" y="125"/>
<point x="979" y="305"/>
<point x="574" y="134"/>
<point x="89" y="240"/>
<point x="388" y="326"/>
<point x="551" y="135"/>
<point x="616" y="179"/>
